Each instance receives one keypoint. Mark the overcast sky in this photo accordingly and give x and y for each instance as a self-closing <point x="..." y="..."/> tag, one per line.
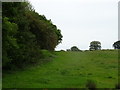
<point x="82" y="21"/>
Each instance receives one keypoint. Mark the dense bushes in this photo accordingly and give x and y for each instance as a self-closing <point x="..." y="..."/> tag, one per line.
<point x="74" y="48"/>
<point x="25" y="33"/>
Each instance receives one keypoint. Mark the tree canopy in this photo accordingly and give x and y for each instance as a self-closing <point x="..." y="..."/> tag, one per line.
<point x="75" y="48"/>
<point x="116" y="45"/>
<point x="95" y="45"/>
<point x="25" y="34"/>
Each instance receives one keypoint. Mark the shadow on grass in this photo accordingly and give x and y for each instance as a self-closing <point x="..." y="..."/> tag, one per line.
<point x="91" y="85"/>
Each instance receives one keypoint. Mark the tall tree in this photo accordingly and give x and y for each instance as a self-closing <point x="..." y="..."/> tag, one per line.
<point x="25" y="33"/>
<point x="95" y="45"/>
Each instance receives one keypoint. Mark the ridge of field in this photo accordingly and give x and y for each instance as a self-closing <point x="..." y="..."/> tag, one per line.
<point x="69" y="70"/>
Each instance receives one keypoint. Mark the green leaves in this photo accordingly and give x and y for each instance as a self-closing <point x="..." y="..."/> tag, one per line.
<point x="95" y="45"/>
<point x="74" y="48"/>
<point x="9" y="30"/>
<point x="116" y="45"/>
<point x="25" y="33"/>
<point x="47" y="34"/>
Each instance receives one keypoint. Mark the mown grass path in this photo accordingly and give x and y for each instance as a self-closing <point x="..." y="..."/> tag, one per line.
<point x="69" y="70"/>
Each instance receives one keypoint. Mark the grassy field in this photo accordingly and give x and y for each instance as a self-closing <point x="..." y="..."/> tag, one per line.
<point x="69" y="70"/>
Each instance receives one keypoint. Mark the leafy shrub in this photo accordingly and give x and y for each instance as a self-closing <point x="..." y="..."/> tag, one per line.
<point x="24" y="34"/>
<point x="74" y="48"/>
<point x="46" y="53"/>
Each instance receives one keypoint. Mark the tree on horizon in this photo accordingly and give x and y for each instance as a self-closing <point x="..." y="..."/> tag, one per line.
<point x="116" y="45"/>
<point x="95" y="45"/>
<point x="74" y="48"/>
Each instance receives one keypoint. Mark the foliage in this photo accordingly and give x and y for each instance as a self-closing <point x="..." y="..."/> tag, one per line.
<point x="25" y="34"/>
<point x="74" y="48"/>
<point x="46" y="53"/>
<point x="47" y="34"/>
<point x="116" y="45"/>
<point x="68" y="50"/>
<point x="95" y="45"/>
<point x="9" y="41"/>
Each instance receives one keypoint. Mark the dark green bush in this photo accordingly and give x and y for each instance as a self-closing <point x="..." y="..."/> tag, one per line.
<point x="25" y="34"/>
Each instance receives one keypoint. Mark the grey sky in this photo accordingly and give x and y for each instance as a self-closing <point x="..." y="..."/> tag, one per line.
<point x="82" y="21"/>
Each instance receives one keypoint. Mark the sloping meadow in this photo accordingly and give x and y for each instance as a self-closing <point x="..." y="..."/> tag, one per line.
<point x="98" y="69"/>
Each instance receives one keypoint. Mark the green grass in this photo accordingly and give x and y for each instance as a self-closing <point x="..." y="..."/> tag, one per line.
<point x="69" y="70"/>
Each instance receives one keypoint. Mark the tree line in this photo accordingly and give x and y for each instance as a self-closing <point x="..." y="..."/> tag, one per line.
<point x="95" y="45"/>
<point x="25" y="33"/>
